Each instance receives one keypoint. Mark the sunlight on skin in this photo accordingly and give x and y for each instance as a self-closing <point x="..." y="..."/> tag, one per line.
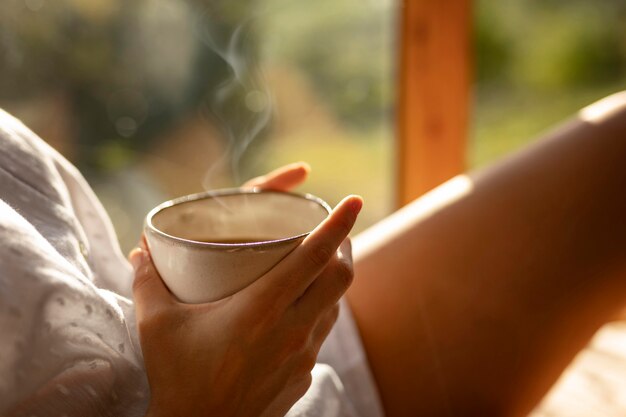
<point x="415" y="212"/>
<point x="603" y="109"/>
<point x="593" y="381"/>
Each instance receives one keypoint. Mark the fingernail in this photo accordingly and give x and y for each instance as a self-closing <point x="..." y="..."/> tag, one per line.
<point x="305" y="166"/>
<point x="137" y="258"/>
<point x="356" y="205"/>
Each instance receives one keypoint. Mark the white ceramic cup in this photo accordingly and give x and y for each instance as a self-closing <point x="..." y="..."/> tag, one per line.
<point x="184" y="238"/>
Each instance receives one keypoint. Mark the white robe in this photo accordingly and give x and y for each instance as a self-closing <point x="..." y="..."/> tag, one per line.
<point x="68" y="342"/>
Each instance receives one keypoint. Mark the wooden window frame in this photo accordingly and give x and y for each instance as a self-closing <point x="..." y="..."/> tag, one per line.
<point x="433" y="94"/>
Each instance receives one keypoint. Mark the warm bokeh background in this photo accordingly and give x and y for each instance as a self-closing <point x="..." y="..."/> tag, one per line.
<point x="157" y="98"/>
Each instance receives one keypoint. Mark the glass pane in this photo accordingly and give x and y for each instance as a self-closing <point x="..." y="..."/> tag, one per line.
<point x="157" y="98"/>
<point x="330" y="71"/>
<point x="538" y="62"/>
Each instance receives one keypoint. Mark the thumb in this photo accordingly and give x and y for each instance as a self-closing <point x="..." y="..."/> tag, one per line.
<point x="149" y="291"/>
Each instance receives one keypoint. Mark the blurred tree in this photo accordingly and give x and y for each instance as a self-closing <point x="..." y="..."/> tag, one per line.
<point x="343" y="48"/>
<point x="492" y="45"/>
<point x="129" y="70"/>
<point x="570" y="47"/>
<point x="548" y="44"/>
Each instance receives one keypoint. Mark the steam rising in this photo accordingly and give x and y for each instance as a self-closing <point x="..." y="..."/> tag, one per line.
<point x="241" y="103"/>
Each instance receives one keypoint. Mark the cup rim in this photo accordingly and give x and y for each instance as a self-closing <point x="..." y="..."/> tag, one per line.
<point x="227" y="192"/>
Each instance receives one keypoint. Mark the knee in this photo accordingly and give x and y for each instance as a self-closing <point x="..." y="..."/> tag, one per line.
<point x="608" y="108"/>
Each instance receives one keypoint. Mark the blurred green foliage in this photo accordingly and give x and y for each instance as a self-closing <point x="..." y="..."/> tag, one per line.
<point x="127" y="69"/>
<point x="550" y="45"/>
<point x="343" y="47"/>
<point x="130" y="69"/>
<point x="537" y="63"/>
<point x="130" y="72"/>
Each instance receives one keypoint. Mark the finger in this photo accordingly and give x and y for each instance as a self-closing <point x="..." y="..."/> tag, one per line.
<point x="293" y="390"/>
<point x="288" y="280"/>
<point x="324" y="326"/>
<point x="329" y="286"/>
<point x="149" y="291"/>
<point x="282" y="179"/>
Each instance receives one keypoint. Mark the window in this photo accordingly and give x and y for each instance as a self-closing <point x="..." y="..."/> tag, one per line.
<point x="157" y="98"/>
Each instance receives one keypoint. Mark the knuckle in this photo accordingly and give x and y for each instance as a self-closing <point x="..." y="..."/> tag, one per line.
<point x="257" y="320"/>
<point x="303" y="384"/>
<point x="344" y="273"/>
<point x="272" y="313"/>
<point x="319" y="255"/>
<point x="268" y="318"/>
<point x="345" y="249"/>
<point x="326" y="324"/>
<point x="345" y="225"/>
<point x="155" y="321"/>
<point x="307" y="362"/>
<point x="294" y="346"/>
<point x="299" y="339"/>
<point x="334" y="313"/>
<point x="283" y="291"/>
<point x="142" y="277"/>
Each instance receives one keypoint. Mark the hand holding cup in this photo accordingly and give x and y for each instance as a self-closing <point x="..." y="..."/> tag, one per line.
<point x="251" y="351"/>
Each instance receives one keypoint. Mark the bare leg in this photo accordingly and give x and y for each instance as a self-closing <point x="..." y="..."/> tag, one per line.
<point x="472" y="300"/>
